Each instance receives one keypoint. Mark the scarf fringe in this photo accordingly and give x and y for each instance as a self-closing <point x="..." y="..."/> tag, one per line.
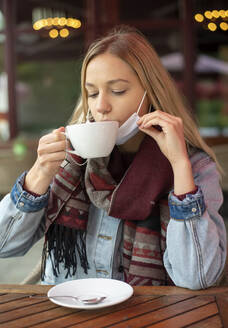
<point x="61" y="245"/>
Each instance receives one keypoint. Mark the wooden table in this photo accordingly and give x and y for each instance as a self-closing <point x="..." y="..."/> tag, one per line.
<point x="159" y="307"/>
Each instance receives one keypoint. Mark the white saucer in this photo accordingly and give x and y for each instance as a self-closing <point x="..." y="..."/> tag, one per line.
<point x="115" y="291"/>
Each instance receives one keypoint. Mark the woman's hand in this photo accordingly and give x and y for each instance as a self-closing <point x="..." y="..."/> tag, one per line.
<point x="50" y="154"/>
<point x="170" y="139"/>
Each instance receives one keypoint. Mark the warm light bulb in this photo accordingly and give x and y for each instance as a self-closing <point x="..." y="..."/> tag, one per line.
<point x="53" y="33"/>
<point x="77" y="23"/>
<point x="222" y="13"/>
<point x="43" y="22"/>
<point x="215" y="13"/>
<point x="74" y="23"/>
<point x="212" y="27"/>
<point x="70" y="22"/>
<point x="37" y="26"/>
<point x="64" y="33"/>
<point x="55" y="21"/>
<point x="49" y="21"/>
<point x="208" y="14"/>
<point x="62" y="21"/>
<point x="57" y="24"/>
<point x="199" y="18"/>
<point x="224" y="26"/>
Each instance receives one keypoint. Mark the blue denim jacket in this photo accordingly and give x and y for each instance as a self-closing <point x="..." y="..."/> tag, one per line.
<point x="196" y="236"/>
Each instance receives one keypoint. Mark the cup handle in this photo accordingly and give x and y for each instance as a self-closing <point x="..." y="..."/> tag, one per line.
<point x="73" y="151"/>
<point x="65" y="134"/>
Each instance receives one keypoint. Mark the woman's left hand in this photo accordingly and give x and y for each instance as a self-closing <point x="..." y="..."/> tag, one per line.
<point x="171" y="137"/>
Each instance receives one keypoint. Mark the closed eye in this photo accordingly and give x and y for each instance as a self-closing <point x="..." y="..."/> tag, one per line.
<point x="92" y="95"/>
<point x="117" y="92"/>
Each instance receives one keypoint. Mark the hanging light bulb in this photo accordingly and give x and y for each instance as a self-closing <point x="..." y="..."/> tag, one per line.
<point x="53" y="33"/>
<point x="222" y="13"/>
<point x="213" y="19"/>
<point x="54" y="22"/>
<point x="62" y="21"/>
<point x="64" y="33"/>
<point x="199" y="18"/>
<point x="212" y="27"/>
<point x="208" y="14"/>
<point x="224" y="26"/>
<point x="215" y="13"/>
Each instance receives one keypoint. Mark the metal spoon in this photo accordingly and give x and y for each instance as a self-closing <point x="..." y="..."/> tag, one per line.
<point x="86" y="301"/>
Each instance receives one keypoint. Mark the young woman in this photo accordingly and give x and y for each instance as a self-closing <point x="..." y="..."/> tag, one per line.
<point x="148" y="213"/>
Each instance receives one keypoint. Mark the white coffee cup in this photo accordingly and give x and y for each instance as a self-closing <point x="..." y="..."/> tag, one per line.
<point x="92" y="139"/>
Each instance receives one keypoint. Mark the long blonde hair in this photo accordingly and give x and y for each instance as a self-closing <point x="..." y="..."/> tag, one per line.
<point x="131" y="46"/>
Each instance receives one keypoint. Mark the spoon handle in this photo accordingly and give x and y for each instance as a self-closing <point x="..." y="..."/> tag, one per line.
<point x="54" y="296"/>
<point x="87" y="301"/>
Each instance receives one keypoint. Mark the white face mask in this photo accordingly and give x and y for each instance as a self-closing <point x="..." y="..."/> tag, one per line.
<point x="130" y="127"/>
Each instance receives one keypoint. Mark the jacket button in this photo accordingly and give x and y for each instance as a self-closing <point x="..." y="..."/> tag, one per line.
<point x="194" y="209"/>
<point x="121" y="268"/>
<point x="105" y="237"/>
<point x="21" y="204"/>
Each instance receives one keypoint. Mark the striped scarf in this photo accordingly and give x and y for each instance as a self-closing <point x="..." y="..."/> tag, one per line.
<point x="133" y="193"/>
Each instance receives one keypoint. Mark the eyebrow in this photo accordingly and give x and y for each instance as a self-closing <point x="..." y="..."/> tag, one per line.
<point x="109" y="82"/>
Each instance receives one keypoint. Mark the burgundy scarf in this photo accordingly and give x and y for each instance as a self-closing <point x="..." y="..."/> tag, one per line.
<point x="126" y="192"/>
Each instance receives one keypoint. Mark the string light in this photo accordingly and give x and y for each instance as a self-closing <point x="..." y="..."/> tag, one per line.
<point x="62" y="21"/>
<point x="199" y="18"/>
<point x="213" y="20"/>
<point x="222" y="13"/>
<point x="215" y="13"/>
<point x="55" y="23"/>
<point x="53" y="33"/>
<point x="224" y="26"/>
<point x="208" y="14"/>
<point x="64" y="33"/>
<point x="212" y="27"/>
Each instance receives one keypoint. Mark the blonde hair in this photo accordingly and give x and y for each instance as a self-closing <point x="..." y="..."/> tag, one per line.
<point x="131" y="46"/>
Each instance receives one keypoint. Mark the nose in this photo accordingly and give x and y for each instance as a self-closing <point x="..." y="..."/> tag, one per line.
<point x="103" y="105"/>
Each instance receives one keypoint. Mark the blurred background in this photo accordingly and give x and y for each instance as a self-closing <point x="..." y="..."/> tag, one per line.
<point x="42" y="44"/>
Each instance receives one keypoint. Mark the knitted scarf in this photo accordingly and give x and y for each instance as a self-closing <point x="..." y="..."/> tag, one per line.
<point x="130" y="193"/>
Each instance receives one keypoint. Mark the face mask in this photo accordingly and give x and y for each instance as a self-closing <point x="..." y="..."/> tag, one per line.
<point x="130" y="127"/>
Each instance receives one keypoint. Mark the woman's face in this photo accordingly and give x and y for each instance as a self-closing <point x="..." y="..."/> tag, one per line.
<point x="113" y="89"/>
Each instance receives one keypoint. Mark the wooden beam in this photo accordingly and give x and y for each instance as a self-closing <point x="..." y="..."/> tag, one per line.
<point x="101" y="16"/>
<point x="153" y="24"/>
<point x="92" y="22"/>
<point x="110" y="17"/>
<point x="9" y="9"/>
<point x="114" y="11"/>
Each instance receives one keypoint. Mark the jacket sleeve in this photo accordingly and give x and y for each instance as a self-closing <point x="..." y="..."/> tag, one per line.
<point x="196" y="235"/>
<point x="21" y="220"/>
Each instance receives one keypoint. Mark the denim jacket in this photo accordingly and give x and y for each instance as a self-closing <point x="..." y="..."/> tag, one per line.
<point x="195" y="255"/>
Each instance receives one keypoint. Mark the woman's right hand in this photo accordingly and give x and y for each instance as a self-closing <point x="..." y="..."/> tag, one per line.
<point x="51" y="152"/>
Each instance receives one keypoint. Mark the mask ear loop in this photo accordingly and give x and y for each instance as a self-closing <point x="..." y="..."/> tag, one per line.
<point x="140" y="105"/>
<point x="150" y="109"/>
<point x="87" y="115"/>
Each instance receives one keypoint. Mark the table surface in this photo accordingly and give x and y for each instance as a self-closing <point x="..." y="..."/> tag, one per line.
<point x="159" y="307"/>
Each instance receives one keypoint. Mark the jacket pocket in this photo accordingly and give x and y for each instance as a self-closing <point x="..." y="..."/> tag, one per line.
<point x="4" y="237"/>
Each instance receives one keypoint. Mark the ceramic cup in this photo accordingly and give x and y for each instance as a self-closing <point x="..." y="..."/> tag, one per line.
<point x="92" y="139"/>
